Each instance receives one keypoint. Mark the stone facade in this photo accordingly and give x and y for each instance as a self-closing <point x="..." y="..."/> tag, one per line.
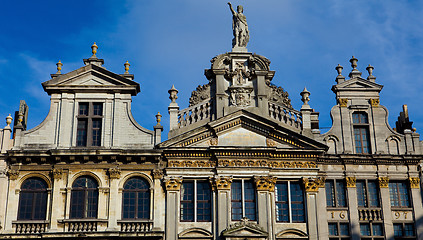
<point x="239" y="163"/>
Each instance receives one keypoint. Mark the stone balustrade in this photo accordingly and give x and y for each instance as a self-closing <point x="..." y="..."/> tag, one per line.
<point x="285" y="115"/>
<point x="370" y="214"/>
<point x="30" y="227"/>
<point x="194" y="114"/>
<point x="82" y="225"/>
<point x="135" y="226"/>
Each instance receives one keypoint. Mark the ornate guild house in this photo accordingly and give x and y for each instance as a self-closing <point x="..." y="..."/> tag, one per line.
<point x="238" y="163"/>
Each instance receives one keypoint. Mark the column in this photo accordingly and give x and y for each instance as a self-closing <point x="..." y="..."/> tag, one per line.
<point x="223" y="186"/>
<point x="57" y="203"/>
<point x="114" y="203"/>
<point x="265" y="185"/>
<point x="322" y="220"/>
<point x="417" y="205"/>
<point x="173" y="187"/>
<point x="12" y="201"/>
<point x="311" y="186"/>
<point x="159" y="205"/>
<point x="353" y="207"/>
<point x="386" y="206"/>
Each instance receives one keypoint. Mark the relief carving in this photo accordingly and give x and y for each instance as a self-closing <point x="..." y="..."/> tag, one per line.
<point x="221" y="183"/>
<point x="191" y="163"/>
<point x="240" y="97"/>
<point x="214" y="141"/>
<point x="374" y="102"/>
<point x="351" y="181"/>
<point x="57" y="173"/>
<point x="157" y="173"/>
<point x="270" y="142"/>
<point x="199" y="95"/>
<point x="13" y="174"/>
<point x="173" y="183"/>
<point x="383" y="182"/>
<point x="414" y="182"/>
<point x="278" y="95"/>
<point x="114" y="173"/>
<point x="265" y="183"/>
<point x="343" y="102"/>
<point x="265" y="163"/>
<point x="313" y="184"/>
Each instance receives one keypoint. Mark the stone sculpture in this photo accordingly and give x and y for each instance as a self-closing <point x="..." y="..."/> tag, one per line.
<point x="240" y="27"/>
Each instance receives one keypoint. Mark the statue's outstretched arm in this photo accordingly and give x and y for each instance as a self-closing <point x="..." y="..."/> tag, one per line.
<point x="230" y="7"/>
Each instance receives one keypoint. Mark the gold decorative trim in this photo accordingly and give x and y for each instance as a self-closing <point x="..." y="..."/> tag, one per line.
<point x="57" y="173"/>
<point x="283" y="139"/>
<point x="114" y="173"/>
<point x="313" y="184"/>
<point x="214" y="141"/>
<point x="383" y="182"/>
<point x="191" y="163"/>
<point x="265" y="183"/>
<point x="270" y="142"/>
<point x="414" y="182"/>
<point x="157" y="173"/>
<point x="343" y="102"/>
<point x="374" y="102"/>
<point x="229" y="125"/>
<point x="221" y="182"/>
<point x="264" y="163"/>
<point x="13" y="174"/>
<point x="351" y="181"/>
<point x="173" y="184"/>
<point x="184" y="154"/>
<point x="194" y="140"/>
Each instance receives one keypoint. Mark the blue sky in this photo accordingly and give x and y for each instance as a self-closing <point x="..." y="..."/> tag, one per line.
<point x="172" y="42"/>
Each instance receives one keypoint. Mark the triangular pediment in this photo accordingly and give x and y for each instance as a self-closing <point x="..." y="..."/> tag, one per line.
<point x="243" y="129"/>
<point x="90" y="78"/>
<point x="358" y="84"/>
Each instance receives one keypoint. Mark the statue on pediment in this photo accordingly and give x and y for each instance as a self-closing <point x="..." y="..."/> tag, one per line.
<point x="240" y="27"/>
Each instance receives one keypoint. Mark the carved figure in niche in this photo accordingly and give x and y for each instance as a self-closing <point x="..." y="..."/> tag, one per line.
<point x="240" y="27"/>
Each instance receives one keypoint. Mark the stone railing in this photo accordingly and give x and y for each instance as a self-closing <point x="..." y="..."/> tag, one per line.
<point x="285" y="115"/>
<point x="194" y="114"/>
<point x="135" y="225"/>
<point x="83" y="225"/>
<point x="370" y="214"/>
<point x="30" y="227"/>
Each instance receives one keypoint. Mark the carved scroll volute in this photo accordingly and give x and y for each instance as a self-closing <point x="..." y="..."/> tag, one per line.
<point x="57" y="173"/>
<point x="157" y="173"/>
<point x="265" y="183"/>
<point x="173" y="183"/>
<point x="414" y="182"/>
<point x="13" y="174"/>
<point x="383" y="182"/>
<point x="114" y="173"/>
<point x="313" y="184"/>
<point x="351" y="182"/>
<point x="221" y="183"/>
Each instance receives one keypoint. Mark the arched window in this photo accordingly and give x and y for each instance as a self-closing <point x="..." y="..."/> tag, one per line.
<point x="136" y="199"/>
<point x="84" y="198"/>
<point x="361" y="132"/>
<point x="33" y="200"/>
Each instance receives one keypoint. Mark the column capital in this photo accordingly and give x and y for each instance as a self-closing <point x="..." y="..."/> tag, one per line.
<point x="383" y="182"/>
<point x="114" y="173"/>
<point x="173" y="183"/>
<point x="57" y="173"/>
<point x="265" y="183"/>
<point x="351" y="182"/>
<point x="157" y="173"/>
<point x="13" y="174"/>
<point x="414" y="182"/>
<point x="313" y="184"/>
<point x="221" y="182"/>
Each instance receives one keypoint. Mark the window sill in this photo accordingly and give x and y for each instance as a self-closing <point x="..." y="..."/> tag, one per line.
<point x="135" y="221"/>
<point x="29" y="221"/>
<point x="82" y="220"/>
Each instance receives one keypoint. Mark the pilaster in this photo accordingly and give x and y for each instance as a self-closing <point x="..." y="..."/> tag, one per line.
<point x="353" y="207"/>
<point x="114" y="200"/>
<point x="265" y="185"/>
<point x="173" y="187"/>
<point x="311" y="186"/>
<point x="386" y="205"/>
<point x="58" y="203"/>
<point x="417" y="205"/>
<point x="223" y="186"/>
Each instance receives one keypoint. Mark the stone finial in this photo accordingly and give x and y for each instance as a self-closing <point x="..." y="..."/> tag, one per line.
<point x="59" y="67"/>
<point x="353" y="62"/>
<point x="370" y="71"/>
<point x="173" y="93"/>
<point x="20" y="119"/>
<point x="126" y="67"/>
<point x="305" y="96"/>
<point x="94" y="48"/>
<point x="339" y="69"/>
<point x="9" y="120"/>
<point x="158" y="118"/>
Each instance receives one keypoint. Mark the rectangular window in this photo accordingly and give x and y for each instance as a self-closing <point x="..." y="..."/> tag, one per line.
<point x="404" y="231"/>
<point x="289" y="202"/>
<point x="89" y="121"/>
<point x="361" y="132"/>
<point x="367" y="193"/>
<point x="195" y="201"/>
<point x="339" y="231"/>
<point x="336" y="193"/>
<point x="371" y="231"/>
<point x="243" y="200"/>
<point x="399" y="194"/>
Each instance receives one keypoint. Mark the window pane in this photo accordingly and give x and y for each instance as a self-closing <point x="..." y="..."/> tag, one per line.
<point x="83" y="109"/>
<point x="203" y="201"/>
<point x="282" y="208"/>
<point x="377" y="229"/>
<point x="341" y="194"/>
<point x="373" y="194"/>
<point x="236" y="195"/>
<point x="398" y="230"/>
<point x="129" y="205"/>
<point x="98" y="109"/>
<point x="361" y="194"/>
<point x="365" y="229"/>
<point x="96" y="132"/>
<point x="250" y="200"/>
<point x="399" y="194"/>
<point x="333" y="229"/>
<point x="33" y="200"/>
<point x="404" y="197"/>
<point x="344" y="229"/>
<point x="84" y="198"/>
<point x="297" y="203"/>
<point x="409" y="229"/>
<point x="187" y="201"/>
<point x="330" y="194"/>
<point x="81" y="134"/>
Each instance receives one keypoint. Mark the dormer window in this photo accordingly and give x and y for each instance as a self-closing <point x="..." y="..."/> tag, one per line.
<point x="361" y="132"/>
<point x="89" y="124"/>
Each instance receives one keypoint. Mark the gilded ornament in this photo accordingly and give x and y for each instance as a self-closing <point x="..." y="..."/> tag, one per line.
<point x="114" y="173"/>
<point x="414" y="182"/>
<point x="214" y="141"/>
<point x="173" y="184"/>
<point x="374" y="102"/>
<point x="383" y="182"/>
<point x="222" y="182"/>
<point x="343" y="102"/>
<point x="313" y="184"/>
<point x="351" y="181"/>
<point x="270" y="142"/>
<point x="265" y="183"/>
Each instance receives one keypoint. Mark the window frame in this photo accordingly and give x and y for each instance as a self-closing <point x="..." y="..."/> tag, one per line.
<point x="42" y="194"/>
<point x="85" y="205"/>
<point x="363" y="128"/>
<point x="371" y="229"/>
<point x="89" y="120"/>
<point x="195" y="201"/>
<point x="289" y="201"/>
<point x="403" y="236"/>
<point x="338" y="229"/>
<point x="243" y="200"/>
<point x="137" y="192"/>
<point x="367" y="193"/>
<point x="398" y="195"/>
<point x="335" y="197"/>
